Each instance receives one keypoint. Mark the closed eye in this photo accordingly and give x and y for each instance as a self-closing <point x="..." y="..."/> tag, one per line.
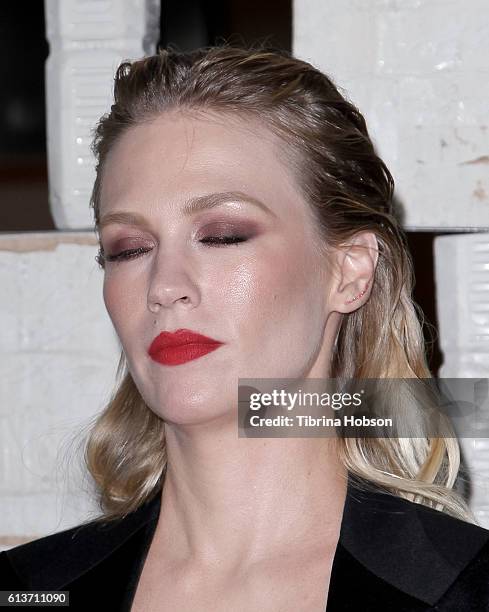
<point x="218" y="241"/>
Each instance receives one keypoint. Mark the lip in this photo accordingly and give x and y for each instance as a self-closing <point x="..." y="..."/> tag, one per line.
<point x="174" y="348"/>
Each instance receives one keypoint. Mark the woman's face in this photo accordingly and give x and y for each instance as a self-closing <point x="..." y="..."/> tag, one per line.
<point x="265" y="298"/>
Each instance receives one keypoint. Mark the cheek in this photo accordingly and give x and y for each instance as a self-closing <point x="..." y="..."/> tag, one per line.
<point x="273" y="291"/>
<point x="120" y="303"/>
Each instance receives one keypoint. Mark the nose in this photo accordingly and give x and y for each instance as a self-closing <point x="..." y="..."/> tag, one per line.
<point x="154" y="305"/>
<point x="171" y="286"/>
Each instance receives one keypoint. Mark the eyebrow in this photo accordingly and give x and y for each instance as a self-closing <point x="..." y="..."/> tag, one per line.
<point x="191" y="207"/>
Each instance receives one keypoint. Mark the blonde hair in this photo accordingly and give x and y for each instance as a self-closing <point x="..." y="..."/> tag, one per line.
<point x="349" y="189"/>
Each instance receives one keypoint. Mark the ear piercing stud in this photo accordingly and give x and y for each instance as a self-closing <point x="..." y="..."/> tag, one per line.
<point x="359" y="295"/>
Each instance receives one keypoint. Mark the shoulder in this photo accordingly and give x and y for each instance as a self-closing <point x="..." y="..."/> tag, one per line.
<point x="57" y="559"/>
<point x="464" y="546"/>
<point x="424" y="552"/>
<point x="464" y="549"/>
<point x="24" y="564"/>
<point x="459" y="542"/>
<point x="383" y="509"/>
<point x="471" y="587"/>
<point x="434" y="519"/>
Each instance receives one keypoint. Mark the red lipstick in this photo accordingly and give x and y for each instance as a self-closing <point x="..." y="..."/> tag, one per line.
<point x="174" y="348"/>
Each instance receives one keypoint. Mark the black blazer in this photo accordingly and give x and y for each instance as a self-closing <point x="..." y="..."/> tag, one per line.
<point x="392" y="556"/>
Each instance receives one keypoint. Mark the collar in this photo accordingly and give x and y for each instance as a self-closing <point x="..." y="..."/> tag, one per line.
<point x="386" y="544"/>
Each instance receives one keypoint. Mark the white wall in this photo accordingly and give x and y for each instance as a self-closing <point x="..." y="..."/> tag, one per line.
<point x="58" y="360"/>
<point x="419" y="72"/>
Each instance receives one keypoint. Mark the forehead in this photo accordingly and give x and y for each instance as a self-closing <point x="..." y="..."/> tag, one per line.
<point x="179" y="155"/>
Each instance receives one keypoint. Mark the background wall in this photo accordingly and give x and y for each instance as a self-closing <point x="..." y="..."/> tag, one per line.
<point x="418" y="70"/>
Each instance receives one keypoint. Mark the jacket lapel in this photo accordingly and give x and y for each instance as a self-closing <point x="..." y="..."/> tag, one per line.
<point x="394" y="554"/>
<point x="354" y="587"/>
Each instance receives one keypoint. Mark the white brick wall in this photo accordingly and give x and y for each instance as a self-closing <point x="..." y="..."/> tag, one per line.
<point x="58" y="360"/>
<point x="462" y="281"/>
<point x="87" y="41"/>
<point x="419" y="72"/>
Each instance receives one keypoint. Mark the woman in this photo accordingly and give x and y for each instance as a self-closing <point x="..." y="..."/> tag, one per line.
<point x="246" y="231"/>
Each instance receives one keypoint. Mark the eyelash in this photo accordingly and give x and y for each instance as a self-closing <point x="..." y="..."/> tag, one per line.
<point x="134" y="253"/>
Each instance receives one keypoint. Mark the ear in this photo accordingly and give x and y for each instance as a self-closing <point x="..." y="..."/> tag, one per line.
<point x="354" y="264"/>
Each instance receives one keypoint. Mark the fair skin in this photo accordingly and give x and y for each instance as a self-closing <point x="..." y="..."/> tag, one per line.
<point x="245" y="523"/>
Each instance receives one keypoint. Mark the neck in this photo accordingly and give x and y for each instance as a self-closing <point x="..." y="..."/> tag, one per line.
<point x="230" y="501"/>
